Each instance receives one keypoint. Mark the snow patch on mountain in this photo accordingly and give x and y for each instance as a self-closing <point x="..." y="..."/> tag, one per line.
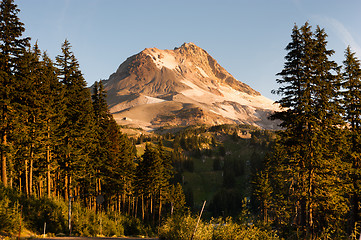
<point x="229" y="94"/>
<point x="154" y="100"/>
<point x="162" y="58"/>
<point x="194" y="90"/>
<point x="202" y="72"/>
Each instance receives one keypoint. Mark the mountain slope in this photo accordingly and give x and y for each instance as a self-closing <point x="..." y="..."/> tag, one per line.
<point x="183" y="86"/>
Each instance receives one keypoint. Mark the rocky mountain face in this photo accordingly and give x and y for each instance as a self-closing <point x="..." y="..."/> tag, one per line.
<point x="184" y="86"/>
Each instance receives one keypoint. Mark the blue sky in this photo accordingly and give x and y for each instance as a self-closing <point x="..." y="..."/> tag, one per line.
<point x="246" y="37"/>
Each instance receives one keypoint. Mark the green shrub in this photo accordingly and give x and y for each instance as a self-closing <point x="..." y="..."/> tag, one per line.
<point x="133" y="227"/>
<point x="229" y="230"/>
<point x="182" y="227"/>
<point x="86" y="222"/>
<point x="32" y="213"/>
<point x="10" y="216"/>
<point x="53" y="212"/>
<point x="226" y="230"/>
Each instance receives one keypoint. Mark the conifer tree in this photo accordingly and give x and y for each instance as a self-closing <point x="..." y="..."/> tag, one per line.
<point x="263" y="192"/>
<point x="166" y="174"/>
<point x="296" y="89"/>
<point x="352" y="107"/>
<point x="311" y="142"/>
<point x="12" y="47"/>
<point x="330" y="207"/>
<point x="177" y="199"/>
<point x="100" y="154"/>
<point x="53" y="108"/>
<point x="114" y="153"/>
<point x="152" y="180"/>
<point x="29" y="135"/>
<point x="77" y="125"/>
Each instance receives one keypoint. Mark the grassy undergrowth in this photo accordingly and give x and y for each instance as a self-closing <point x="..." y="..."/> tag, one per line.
<point x="18" y="212"/>
<point x="182" y="227"/>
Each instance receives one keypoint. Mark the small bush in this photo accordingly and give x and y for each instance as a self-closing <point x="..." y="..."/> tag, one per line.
<point x="182" y="227"/>
<point x="10" y="216"/>
<point x="134" y="227"/>
<point x="32" y="213"/>
<point x="229" y="230"/>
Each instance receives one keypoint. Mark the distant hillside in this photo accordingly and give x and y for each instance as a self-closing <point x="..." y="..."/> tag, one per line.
<point x="216" y="163"/>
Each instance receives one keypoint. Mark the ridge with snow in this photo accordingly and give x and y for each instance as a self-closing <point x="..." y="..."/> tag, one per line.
<point x="184" y="86"/>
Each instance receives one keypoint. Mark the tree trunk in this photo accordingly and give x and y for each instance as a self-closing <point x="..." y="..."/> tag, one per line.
<point x="129" y="205"/>
<point x="66" y="187"/>
<point x="153" y="210"/>
<point x="26" y="178"/>
<point x="20" y="182"/>
<point x="31" y="175"/>
<point x="40" y="191"/>
<point x="48" y="167"/>
<point x="136" y="208"/>
<point x="4" y="178"/>
<point x="48" y="181"/>
<point x="142" y="207"/>
<point x="119" y="207"/>
<point x="123" y="202"/>
<point x="151" y="204"/>
<point x="160" y="208"/>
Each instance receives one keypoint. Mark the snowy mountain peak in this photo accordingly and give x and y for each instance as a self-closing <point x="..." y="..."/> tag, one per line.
<point x="158" y="87"/>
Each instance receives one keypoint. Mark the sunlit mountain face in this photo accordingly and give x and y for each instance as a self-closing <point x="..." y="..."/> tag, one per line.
<point x="180" y="87"/>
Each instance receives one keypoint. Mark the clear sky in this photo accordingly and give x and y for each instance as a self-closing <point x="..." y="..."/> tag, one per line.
<point x="246" y="37"/>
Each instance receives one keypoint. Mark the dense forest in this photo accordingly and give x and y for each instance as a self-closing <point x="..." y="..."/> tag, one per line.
<point x="58" y="139"/>
<point x="59" y="145"/>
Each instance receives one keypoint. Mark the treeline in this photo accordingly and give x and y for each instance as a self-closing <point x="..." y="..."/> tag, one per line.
<point x="58" y="139"/>
<point x="310" y="187"/>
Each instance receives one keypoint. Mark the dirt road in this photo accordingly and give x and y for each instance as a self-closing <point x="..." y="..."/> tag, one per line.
<point x="94" y="238"/>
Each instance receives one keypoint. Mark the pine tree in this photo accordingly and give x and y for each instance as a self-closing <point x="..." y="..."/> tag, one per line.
<point x="311" y="141"/>
<point x="297" y="119"/>
<point x="100" y="154"/>
<point x="263" y="192"/>
<point x="77" y="126"/>
<point x="152" y="175"/>
<point x="114" y="153"/>
<point x="53" y="108"/>
<point x="352" y="107"/>
<point x="330" y="204"/>
<point x="12" y="47"/>
<point x="29" y="134"/>
<point x="177" y="199"/>
<point x="166" y="175"/>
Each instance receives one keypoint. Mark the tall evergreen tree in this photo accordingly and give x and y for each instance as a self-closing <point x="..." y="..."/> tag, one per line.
<point x="113" y="153"/>
<point x="298" y="117"/>
<point x="153" y="175"/>
<point x="30" y="132"/>
<point x="77" y="125"/>
<point x="53" y="107"/>
<point x="352" y="106"/>
<point x="100" y="153"/>
<point x="330" y="204"/>
<point x="311" y="165"/>
<point x="12" y="47"/>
